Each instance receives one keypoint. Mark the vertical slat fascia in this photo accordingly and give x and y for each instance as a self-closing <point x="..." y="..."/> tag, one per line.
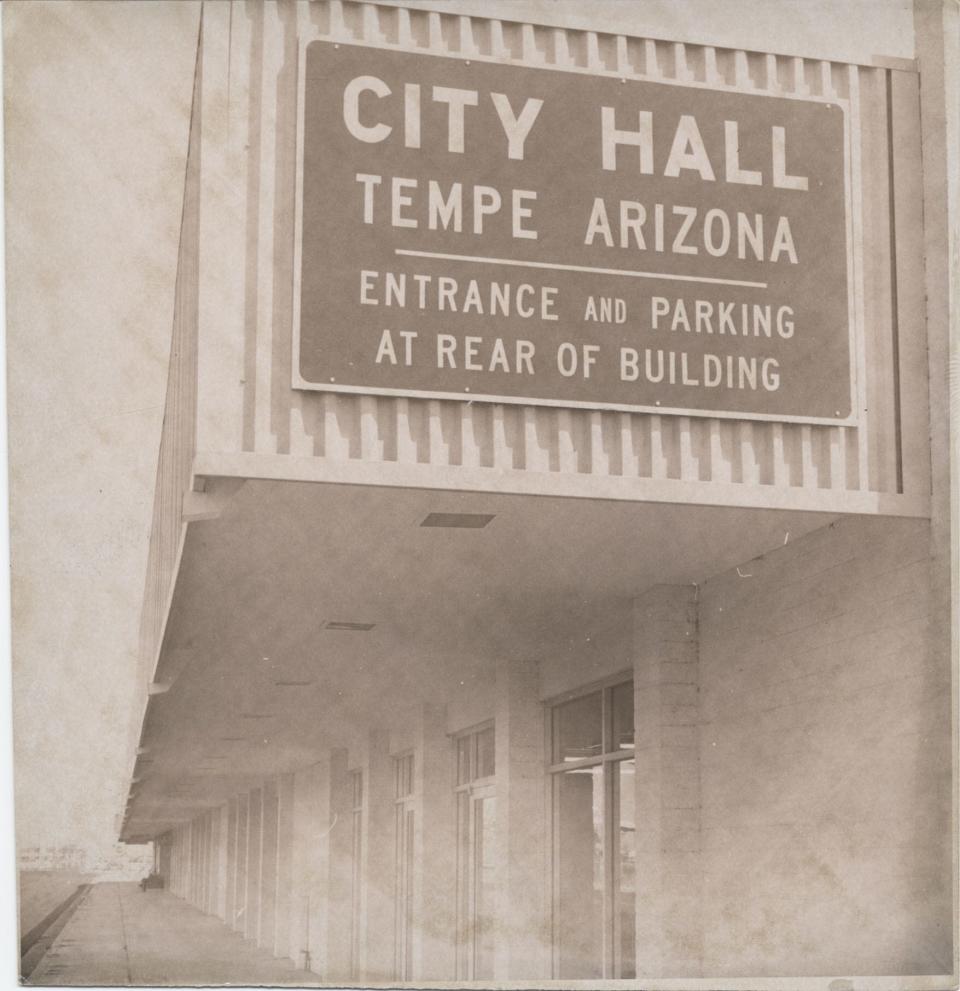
<point x="502" y="451"/>
<point x="264" y="439"/>
<point x="629" y="462"/>
<point x="749" y="460"/>
<point x="856" y="210"/>
<point x="599" y="457"/>
<point x="566" y="440"/>
<point x="659" y="467"/>
<point x="910" y="287"/>
<point x="876" y="276"/>
<point x="406" y="437"/>
<point x="222" y="105"/>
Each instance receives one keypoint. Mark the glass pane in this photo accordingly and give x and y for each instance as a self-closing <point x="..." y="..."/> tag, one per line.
<point x="463" y="760"/>
<point x="578" y="729"/>
<point x="485" y="753"/>
<point x="485" y="908"/>
<point x="626" y="871"/>
<point x="579" y="901"/>
<point x="622" y="705"/>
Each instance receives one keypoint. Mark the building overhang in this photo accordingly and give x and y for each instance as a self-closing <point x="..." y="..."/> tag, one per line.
<point x="303" y="610"/>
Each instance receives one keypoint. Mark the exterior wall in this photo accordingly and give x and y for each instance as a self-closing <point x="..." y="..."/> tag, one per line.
<point x="825" y="759"/>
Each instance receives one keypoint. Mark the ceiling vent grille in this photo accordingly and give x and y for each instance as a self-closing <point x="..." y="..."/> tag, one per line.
<point x="458" y="521"/>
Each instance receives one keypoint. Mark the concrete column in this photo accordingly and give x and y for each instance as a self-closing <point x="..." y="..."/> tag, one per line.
<point x="434" y="850"/>
<point x="669" y="873"/>
<point x="379" y="861"/>
<point x="213" y="859"/>
<point x="223" y="841"/>
<point x="183" y="863"/>
<point x="299" y="893"/>
<point x="209" y="859"/>
<point x="205" y="838"/>
<point x="243" y="816"/>
<point x="281" y="937"/>
<point x="340" y="871"/>
<point x="194" y="862"/>
<point x="317" y="862"/>
<point x="251" y="919"/>
<point x="230" y="888"/>
<point x="311" y="821"/>
<point x="266" y="930"/>
<point x="523" y="932"/>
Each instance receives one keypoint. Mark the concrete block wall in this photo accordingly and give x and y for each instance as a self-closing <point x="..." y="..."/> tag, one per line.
<point x="825" y="758"/>
<point x="668" y="794"/>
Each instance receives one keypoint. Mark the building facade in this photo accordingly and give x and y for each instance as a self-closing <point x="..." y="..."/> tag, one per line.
<point x="522" y="686"/>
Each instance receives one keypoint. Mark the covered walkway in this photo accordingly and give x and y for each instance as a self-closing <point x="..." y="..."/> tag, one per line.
<point x="120" y="935"/>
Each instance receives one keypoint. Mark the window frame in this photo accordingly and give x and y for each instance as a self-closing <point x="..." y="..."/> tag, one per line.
<point x="356" y="778"/>
<point x="471" y="790"/>
<point x="608" y="759"/>
<point x="404" y="819"/>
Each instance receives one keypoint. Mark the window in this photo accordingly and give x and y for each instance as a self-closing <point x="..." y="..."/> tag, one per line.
<point x="403" y="819"/>
<point x="592" y="785"/>
<point x="476" y="821"/>
<point x="356" y="851"/>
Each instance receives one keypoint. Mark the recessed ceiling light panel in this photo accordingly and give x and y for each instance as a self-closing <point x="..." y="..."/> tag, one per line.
<point x="359" y="627"/>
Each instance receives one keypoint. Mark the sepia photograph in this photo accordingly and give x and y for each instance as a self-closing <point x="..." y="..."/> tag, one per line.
<point x="483" y="492"/>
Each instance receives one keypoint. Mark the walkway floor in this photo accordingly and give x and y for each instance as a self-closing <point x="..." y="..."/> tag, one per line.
<point x="122" y="935"/>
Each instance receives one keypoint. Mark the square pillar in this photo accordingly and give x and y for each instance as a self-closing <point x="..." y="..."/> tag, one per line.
<point x="281" y="939"/>
<point x="318" y="862"/>
<point x="194" y="862"/>
<point x="379" y="861"/>
<point x="251" y="918"/>
<point x="223" y="840"/>
<point x="311" y="823"/>
<point x="266" y="930"/>
<point x="340" y="871"/>
<point x="298" y="947"/>
<point x="522" y="950"/>
<point x="434" y="850"/>
<point x="668" y="815"/>
<point x="230" y="895"/>
<point x="238" y="921"/>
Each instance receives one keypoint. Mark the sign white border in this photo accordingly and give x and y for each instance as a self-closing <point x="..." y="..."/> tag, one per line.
<point x="855" y="331"/>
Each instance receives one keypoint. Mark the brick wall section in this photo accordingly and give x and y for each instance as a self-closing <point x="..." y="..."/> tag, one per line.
<point x="825" y="758"/>
<point x="669" y="871"/>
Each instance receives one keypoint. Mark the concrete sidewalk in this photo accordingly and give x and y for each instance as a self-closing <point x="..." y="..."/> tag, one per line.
<point x="121" y="935"/>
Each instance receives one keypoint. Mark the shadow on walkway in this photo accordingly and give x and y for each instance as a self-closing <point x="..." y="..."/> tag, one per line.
<point x="121" y="935"/>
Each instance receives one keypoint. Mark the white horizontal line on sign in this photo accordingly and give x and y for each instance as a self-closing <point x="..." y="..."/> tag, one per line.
<point x="558" y="266"/>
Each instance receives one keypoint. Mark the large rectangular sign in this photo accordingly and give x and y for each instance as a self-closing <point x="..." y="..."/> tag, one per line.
<point x="470" y="229"/>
